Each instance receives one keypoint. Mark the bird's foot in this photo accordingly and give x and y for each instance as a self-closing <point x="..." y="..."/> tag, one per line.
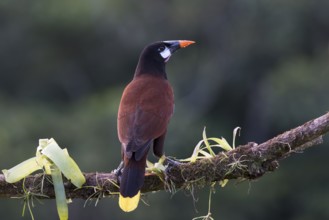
<point x="172" y="162"/>
<point x="159" y="165"/>
<point x="163" y="163"/>
<point x="118" y="171"/>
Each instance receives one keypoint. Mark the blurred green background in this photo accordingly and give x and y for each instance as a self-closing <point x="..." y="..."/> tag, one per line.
<point x="258" y="64"/>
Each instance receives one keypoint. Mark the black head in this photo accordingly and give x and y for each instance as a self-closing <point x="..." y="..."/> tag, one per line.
<point x="154" y="56"/>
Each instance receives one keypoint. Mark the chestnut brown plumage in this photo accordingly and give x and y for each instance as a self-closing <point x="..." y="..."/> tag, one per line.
<point x="146" y="107"/>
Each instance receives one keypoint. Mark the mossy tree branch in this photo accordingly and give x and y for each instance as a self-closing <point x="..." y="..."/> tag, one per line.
<point x="248" y="161"/>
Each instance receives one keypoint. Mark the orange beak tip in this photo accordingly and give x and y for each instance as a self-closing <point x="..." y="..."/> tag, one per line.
<point x="185" y="43"/>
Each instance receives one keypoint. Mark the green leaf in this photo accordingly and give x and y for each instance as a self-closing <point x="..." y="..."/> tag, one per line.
<point x="205" y="140"/>
<point x="21" y="170"/>
<point x="205" y="154"/>
<point x="195" y="153"/>
<point x="222" y="143"/>
<point x="64" y="162"/>
<point x="61" y="204"/>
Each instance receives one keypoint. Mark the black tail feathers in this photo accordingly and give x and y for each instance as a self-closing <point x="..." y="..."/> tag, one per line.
<point x="132" y="177"/>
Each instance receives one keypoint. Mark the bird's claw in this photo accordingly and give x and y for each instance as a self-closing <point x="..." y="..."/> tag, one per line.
<point x="172" y="162"/>
<point x="118" y="172"/>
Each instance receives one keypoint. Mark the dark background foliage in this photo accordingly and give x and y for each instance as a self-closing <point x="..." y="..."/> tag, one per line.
<point x="260" y="65"/>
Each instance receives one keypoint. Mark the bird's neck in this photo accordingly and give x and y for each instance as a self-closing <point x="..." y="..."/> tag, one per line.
<point x="150" y="67"/>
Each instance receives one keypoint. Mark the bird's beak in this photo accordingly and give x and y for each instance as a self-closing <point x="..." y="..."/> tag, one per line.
<point x="174" y="45"/>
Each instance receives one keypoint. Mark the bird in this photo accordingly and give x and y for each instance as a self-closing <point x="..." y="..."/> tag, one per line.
<point x="146" y="106"/>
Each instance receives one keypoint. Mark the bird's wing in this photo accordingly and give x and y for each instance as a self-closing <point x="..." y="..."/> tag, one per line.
<point x="145" y="109"/>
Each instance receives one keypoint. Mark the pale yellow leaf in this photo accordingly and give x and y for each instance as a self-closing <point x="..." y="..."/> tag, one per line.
<point x="21" y="170"/>
<point x="64" y="162"/>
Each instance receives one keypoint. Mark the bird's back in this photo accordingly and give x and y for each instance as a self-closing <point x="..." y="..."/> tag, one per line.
<point x="145" y="109"/>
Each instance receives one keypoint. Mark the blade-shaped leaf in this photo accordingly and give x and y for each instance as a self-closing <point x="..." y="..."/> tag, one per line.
<point x="222" y="142"/>
<point x="205" y="154"/>
<point x="64" y="162"/>
<point x="61" y="204"/>
<point x="235" y="132"/>
<point x="195" y="153"/>
<point x="205" y="140"/>
<point x="21" y="170"/>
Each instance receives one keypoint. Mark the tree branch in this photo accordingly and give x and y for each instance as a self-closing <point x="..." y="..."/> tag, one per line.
<point x="244" y="162"/>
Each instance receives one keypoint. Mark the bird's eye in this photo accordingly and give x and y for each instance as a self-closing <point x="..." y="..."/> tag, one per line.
<point x="161" y="48"/>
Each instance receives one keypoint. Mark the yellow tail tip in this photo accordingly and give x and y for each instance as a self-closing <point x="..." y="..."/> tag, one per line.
<point x="128" y="204"/>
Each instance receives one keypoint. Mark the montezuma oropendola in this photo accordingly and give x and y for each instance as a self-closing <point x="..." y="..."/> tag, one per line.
<point x="146" y="107"/>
